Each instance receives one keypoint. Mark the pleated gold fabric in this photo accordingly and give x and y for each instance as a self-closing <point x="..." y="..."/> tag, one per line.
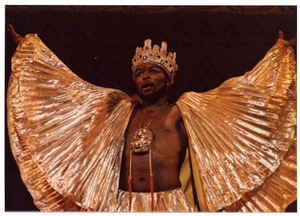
<point x="242" y="136"/>
<point x="67" y="137"/>
<point x="164" y="201"/>
<point x="276" y="193"/>
<point x="66" y="134"/>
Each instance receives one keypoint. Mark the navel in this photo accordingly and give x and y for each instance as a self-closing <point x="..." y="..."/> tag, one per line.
<point x="141" y="180"/>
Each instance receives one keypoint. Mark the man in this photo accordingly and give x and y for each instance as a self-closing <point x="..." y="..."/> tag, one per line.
<point x="77" y="144"/>
<point x="169" y="145"/>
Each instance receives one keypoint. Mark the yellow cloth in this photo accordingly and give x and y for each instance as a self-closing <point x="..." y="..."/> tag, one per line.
<point x="67" y="135"/>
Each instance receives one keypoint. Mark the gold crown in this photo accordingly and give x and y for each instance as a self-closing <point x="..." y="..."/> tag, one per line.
<point x="155" y="56"/>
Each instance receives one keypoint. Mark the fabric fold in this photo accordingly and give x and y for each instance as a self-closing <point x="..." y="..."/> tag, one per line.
<point x="73" y="131"/>
<point x="240" y="133"/>
<point x="67" y="135"/>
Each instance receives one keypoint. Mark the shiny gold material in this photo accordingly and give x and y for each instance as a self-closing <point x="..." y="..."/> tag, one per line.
<point x="165" y="201"/>
<point x="141" y="142"/>
<point x="67" y="136"/>
<point x="241" y="137"/>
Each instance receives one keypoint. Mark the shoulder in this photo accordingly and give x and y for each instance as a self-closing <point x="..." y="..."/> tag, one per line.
<point x="174" y="108"/>
<point x="175" y="112"/>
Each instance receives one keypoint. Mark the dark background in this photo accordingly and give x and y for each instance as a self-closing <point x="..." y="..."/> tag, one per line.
<point x="213" y="43"/>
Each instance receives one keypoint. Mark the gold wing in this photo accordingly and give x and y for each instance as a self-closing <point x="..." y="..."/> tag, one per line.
<point x="66" y="134"/>
<point x="242" y="137"/>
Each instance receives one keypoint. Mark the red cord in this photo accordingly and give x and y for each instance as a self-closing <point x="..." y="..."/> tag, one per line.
<point x="130" y="191"/>
<point x="152" y="191"/>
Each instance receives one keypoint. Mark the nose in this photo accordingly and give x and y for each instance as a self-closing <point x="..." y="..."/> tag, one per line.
<point x="146" y="75"/>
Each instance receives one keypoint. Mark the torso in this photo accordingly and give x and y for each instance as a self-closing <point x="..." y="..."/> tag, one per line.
<point x="168" y="151"/>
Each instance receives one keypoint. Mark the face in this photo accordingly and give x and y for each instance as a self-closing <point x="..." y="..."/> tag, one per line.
<point x="151" y="81"/>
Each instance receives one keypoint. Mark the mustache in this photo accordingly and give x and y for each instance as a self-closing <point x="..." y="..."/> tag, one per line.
<point x="147" y="83"/>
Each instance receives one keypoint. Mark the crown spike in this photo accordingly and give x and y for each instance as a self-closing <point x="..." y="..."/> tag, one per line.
<point x="147" y="45"/>
<point x="163" y="46"/>
<point x="155" y="47"/>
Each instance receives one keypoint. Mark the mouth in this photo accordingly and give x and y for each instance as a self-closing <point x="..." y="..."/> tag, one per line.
<point x="147" y="85"/>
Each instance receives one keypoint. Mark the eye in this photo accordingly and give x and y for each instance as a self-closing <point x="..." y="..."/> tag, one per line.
<point x="154" y="71"/>
<point x="139" y="73"/>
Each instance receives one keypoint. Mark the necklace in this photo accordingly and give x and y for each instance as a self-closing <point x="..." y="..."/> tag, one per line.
<point x="151" y="110"/>
<point x="141" y="143"/>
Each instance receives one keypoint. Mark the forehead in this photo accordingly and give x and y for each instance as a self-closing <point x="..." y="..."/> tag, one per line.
<point x="144" y="66"/>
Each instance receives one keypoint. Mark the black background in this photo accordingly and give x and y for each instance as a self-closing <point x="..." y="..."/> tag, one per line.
<point x="213" y="43"/>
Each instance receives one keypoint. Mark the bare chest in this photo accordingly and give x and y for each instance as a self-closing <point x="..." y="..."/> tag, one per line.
<point x="167" y="139"/>
<point x="168" y="146"/>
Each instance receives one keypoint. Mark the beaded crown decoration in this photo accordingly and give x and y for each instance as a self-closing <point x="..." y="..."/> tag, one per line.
<point x="156" y="56"/>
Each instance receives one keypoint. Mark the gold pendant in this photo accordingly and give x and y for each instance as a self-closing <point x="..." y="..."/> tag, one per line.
<point x="141" y="141"/>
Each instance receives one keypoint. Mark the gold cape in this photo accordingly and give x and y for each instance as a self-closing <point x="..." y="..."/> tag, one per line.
<point x="67" y="135"/>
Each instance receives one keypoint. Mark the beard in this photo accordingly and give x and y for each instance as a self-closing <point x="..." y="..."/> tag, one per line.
<point x="155" y="96"/>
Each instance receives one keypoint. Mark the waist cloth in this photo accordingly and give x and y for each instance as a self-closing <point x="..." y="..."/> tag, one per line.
<point x="171" y="200"/>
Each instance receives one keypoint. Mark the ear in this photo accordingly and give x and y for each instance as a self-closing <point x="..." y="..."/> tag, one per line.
<point x="168" y="83"/>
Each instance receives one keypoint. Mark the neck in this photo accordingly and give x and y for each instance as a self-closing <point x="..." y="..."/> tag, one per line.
<point x="152" y="105"/>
